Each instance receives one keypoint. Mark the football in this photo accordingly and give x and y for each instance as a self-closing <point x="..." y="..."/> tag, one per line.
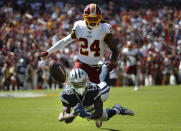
<point x="57" y="71"/>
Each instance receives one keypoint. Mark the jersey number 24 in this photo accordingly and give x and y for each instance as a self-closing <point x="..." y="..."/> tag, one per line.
<point x="94" y="47"/>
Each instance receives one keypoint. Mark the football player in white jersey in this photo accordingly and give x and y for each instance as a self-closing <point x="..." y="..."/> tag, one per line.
<point x="92" y="35"/>
<point x="130" y="53"/>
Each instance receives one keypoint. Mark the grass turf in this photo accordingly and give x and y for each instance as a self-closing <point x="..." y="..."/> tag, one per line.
<point x="156" y="108"/>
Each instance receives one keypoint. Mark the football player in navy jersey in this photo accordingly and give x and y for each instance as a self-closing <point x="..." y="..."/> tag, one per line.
<point x="86" y="98"/>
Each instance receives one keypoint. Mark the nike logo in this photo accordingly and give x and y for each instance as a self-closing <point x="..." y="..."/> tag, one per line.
<point x="88" y="36"/>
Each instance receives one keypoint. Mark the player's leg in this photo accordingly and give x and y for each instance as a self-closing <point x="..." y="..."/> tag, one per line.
<point x="109" y="113"/>
<point x="104" y="85"/>
<point x="136" y="81"/>
<point x="121" y="110"/>
<point x="104" y="91"/>
<point x="93" y="72"/>
<point x="117" y="109"/>
<point x="134" y="72"/>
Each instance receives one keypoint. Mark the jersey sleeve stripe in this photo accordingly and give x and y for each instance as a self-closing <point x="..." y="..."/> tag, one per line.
<point x="63" y="100"/>
<point x="105" y="91"/>
<point x="105" y="87"/>
<point x="97" y="96"/>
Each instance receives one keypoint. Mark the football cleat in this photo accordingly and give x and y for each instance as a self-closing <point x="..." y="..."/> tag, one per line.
<point x="123" y="111"/>
<point x="98" y="123"/>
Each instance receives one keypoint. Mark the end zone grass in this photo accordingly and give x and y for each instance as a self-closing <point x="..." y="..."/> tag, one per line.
<point x="156" y="108"/>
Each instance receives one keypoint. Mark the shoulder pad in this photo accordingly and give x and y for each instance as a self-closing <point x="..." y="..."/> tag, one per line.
<point x="94" y="90"/>
<point x="107" y="27"/>
<point x="78" y="24"/>
<point x="65" y="95"/>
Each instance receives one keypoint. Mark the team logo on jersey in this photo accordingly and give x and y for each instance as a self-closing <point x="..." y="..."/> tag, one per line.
<point x="89" y="34"/>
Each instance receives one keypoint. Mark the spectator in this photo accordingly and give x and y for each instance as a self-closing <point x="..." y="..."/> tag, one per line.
<point x="31" y="26"/>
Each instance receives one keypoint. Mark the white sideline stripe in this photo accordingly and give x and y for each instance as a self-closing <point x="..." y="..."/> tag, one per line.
<point x="21" y="95"/>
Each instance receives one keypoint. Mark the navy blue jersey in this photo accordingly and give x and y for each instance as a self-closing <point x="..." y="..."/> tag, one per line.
<point x="70" y="99"/>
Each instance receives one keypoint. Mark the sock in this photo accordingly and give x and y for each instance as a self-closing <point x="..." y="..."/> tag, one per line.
<point x="110" y="112"/>
<point x="117" y="110"/>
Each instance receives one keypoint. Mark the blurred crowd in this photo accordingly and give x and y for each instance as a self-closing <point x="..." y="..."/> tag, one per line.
<point x="27" y="28"/>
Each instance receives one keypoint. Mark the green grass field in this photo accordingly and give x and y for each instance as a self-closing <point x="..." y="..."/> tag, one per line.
<point x="156" y="109"/>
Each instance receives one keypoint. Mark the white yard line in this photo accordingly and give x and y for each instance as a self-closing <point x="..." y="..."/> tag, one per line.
<point x="21" y="95"/>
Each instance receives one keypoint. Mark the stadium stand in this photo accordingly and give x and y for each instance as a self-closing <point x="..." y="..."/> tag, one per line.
<point x="28" y="27"/>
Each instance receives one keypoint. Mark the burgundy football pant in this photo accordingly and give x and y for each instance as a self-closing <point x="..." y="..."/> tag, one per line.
<point x="93" y="71"/>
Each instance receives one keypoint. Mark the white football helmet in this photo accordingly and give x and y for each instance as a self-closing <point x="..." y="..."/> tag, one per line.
<point x="78" y="80"/>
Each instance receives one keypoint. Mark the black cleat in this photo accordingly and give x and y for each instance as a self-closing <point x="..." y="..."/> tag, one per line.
<point x="122" y="110"/>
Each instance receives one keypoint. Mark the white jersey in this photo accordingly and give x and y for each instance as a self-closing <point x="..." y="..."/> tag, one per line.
<point x="91" y="41"/>
<point x="130" y="55"/>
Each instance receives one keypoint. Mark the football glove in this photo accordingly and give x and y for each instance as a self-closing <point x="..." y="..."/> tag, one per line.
<point x="108" y="64"/>
<point x="42" y="54"/>
<point x="79" y="110"/>
<point x="84" y="114"/>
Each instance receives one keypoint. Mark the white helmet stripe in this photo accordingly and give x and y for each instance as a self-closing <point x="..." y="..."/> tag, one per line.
<point x="95" y="8"/>
<point x="90" y="8"/>
<point x="75" y="73"/>
<point x="78" y="73"/>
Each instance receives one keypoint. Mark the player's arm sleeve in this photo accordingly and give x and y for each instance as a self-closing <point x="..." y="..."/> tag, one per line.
<point x="112" y="45"/>
<point x="98" y="106"/>
<point x="64" y="101"/>
<point x="66" y="114"/>
<point x="61" y="43"/>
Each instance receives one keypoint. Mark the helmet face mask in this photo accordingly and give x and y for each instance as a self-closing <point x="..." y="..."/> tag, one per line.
<point x="79" y="87"/>
<point x="78" y="80"/>
<point x="92" y="16"/>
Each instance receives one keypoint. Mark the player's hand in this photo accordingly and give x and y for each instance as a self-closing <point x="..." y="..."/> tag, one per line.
<point x="84" y="114"/>
<point x="77" y="109"/>
<point x="108" y="64"/>
<point x="42" y="54"/>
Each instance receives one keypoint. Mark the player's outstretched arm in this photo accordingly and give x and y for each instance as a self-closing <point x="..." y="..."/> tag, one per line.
<point x="98" y="106"/>
<point x="112" y="45"/>
<point x="59" y="44"/>
<point x="65" y="115"/>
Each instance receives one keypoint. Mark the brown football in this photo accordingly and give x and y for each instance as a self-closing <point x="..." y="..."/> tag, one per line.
<point x="57" y="71"/>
